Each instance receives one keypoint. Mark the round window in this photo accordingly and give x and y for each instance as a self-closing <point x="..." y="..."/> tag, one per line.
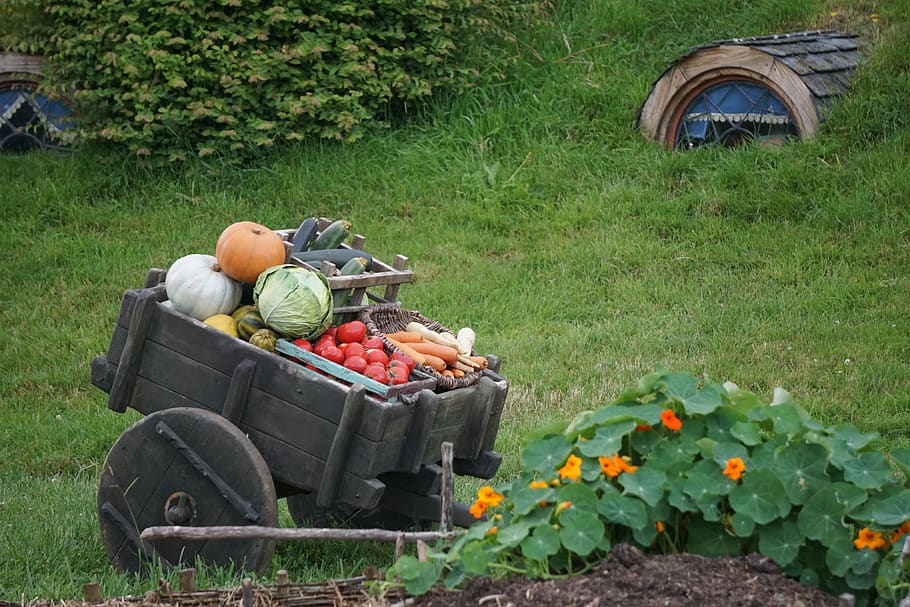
<point x="730" y="113"/>
<point x="32" y="121"/>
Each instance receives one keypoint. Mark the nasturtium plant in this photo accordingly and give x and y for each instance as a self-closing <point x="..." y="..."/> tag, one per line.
<point x="682" y="464"/>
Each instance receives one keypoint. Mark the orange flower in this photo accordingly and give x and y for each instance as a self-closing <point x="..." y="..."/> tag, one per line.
<point x="562" y="506"/>
<point x="734" y="469"/>
<point x="642" y="427"/>
<point x="900" y="532"/>
<point x="669" y="419"/>
<point x="489" y="496"/>
<point x="659" y="525"/>
<point x="492" y="531"/>
<point x="539" y="484"/>
<point x="572" y="469"/>
<point x="866" y="538"/>
<point x="614" y="465"/>
<point x="477" y="510"/>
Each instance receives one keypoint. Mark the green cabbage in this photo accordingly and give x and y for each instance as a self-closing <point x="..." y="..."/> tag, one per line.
<point x="294" y="301"/>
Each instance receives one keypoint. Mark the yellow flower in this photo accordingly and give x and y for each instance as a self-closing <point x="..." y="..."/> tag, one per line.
<point x="492" y="531"/>
<point x="866" y="538"/>
<point x="562" y="506"/>
<point x="572" y="469"/>
<point x="659" y="525"/>
<point x="734" y="468"/>
<point x="539" y="484"/>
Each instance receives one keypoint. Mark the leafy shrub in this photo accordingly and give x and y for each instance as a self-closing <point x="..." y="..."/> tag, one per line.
<point x="200" y="77"/>
<point x="24" y="27"/>
<point x="675" y="465"/>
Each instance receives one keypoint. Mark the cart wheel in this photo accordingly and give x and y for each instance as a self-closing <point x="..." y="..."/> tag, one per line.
<point x="185" y="466"/>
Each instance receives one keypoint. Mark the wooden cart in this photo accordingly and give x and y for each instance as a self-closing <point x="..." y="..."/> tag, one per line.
<point x="229" y="428"/>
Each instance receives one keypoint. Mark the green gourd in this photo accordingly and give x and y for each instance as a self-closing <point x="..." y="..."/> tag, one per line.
<point x="265" y="339"/>
<point x="332" y="237"/>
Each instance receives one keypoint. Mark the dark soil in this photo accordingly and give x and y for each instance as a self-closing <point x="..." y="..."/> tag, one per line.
<point x="629" y="577"/>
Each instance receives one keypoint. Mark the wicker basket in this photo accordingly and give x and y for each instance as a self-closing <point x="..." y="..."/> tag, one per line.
<point x="388" y="318"/>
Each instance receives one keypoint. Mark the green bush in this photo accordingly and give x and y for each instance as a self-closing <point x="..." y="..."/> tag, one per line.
<point x="196" y="77"/>
<point x="675" y="465"/>
<point x="24" y="27"/>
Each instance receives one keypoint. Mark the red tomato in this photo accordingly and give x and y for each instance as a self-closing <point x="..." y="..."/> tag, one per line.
<point x="333" y="353"/>
<point x="376" y="373"/>
<point x="356" y="363"/>
<point x="397" y="374"/>
<point x="377" y="356"/>
<point x="372" y="342"/>
<point x="351" y="331"/>
<point x="330" y="331"/>
<point x="352" y="348"/>
<point x="401" y="356"/>
<point x="304" y="344"/>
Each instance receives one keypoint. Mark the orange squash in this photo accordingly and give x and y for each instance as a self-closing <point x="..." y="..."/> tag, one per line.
<point x="246" y="249"/>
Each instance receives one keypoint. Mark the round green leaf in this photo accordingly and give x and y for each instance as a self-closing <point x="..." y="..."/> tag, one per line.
<point x="801" y="467"/>
<point x="642" y="414"/>
<point x="747" y="432"/>
<point x="838" y="557"/>
<point x="711" y="539"/>
<point x="543" y="542"/>
<point x="621" y="510"/>
<point x="780" y="541"/>
<point x="581" y="496"/>
<point x="607" y="439"/>
<point x="684" y="389"/>
<point x="849" y="495"/>
<point x="646" y="483"/>
<point x="822" y="518"/>
<point x="893" y="510"/>
<point x="761" y="496"/>
<point x="867" y="470"/>
<point x="476" y="557"/>
<point x="546" y="455"/>
<point x="581" y="532"/>
<point x="863" y="561"/>
<point x="512" y="535"/>
<point x="743" y="525"/>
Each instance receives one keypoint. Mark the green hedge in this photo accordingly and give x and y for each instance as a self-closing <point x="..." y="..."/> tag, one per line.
<point x="172" y="79"/>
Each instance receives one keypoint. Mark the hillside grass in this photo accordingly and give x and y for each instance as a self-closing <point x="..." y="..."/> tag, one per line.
<point x="530" y="209"/>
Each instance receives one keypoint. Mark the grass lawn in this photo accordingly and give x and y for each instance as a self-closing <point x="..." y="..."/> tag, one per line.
<point x="530" y="209"/>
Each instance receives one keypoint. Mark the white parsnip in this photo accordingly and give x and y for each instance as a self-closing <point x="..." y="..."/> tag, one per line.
<point x="465" y="338"/>
<point x="443" y="338"/>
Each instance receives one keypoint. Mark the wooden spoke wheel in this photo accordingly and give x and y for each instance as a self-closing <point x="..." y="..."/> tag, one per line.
<point x="185" y="466"/>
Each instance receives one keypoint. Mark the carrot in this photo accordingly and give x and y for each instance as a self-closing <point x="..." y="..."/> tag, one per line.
<point x="457" y="373"/>
<point x="446" y="353"/>
<point x="448" y="373"/>
<point x="478" y="361"/>
<point x="408" y="337"/>
<point x="434" y="361"/>
<point x="417" y="356"/>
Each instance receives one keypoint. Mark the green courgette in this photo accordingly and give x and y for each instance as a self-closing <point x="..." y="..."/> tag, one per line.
<point x="305" y="235"/>
<point x="342" y="297"/>
<point x="339" y="257"/>
<point x="334" y="234"/>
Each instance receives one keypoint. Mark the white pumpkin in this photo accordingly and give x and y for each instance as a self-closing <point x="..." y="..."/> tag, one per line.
<point x="197" y="287"/>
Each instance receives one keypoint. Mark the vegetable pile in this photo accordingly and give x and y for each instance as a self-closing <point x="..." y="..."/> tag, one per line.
<point x="261" y="287"/>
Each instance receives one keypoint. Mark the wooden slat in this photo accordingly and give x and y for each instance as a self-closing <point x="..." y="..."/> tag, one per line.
<point x="337" y="460"/>
<point x="140" y="324"/>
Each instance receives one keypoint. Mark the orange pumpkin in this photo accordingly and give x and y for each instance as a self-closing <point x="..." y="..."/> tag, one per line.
<point x="246" y="249"/>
